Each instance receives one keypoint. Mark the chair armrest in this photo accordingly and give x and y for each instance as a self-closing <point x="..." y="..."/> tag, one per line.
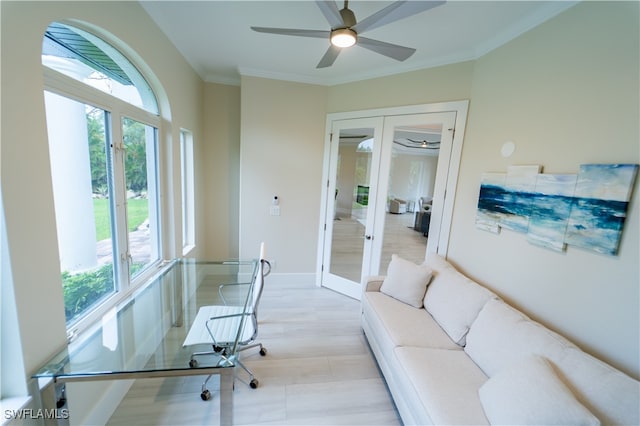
<point x="373" y="283"/>
<point x="222" y="287"/>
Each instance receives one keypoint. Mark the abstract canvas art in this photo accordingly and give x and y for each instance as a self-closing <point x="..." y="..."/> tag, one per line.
<point x="600" y="206"/>
<point x="518" y="189"/>
<point x="586" y="210"/>
<point x="489" y="214"/>
<point x="550" y="209"/>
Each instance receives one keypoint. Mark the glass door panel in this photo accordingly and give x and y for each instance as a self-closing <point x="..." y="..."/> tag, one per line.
<point x="352" y="202"/>
<point x="352" y="183"/>
<point x="415" y="155"/>
<point x="412" y="172"/>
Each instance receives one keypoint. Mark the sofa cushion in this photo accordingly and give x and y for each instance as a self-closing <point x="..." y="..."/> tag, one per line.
<point x="445" y="383"/>
<point x="530" y="393"/>
<point x="453" y="299"/>
<point x="402" y="324"/>
<point x="501" y="335"/>
<point x="406" y="281"/>
<point x="609" y="394"/>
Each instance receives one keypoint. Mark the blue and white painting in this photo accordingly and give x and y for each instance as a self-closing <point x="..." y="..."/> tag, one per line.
<point x="490" y="201"/>
<point x="520" y="183"/>
<point x="550" y="209"/>
<point x="586" y="210"/>
<point x="600" y="206"/>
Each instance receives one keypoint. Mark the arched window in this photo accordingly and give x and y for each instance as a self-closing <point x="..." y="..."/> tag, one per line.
<point x="102" y="122"/>
<point x="89" y="59"/>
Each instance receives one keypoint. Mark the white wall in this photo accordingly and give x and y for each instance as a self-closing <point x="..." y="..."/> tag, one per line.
<point x="26" y="176"/>
<point x="401" y="184"/>
<point x="566" y="94"/>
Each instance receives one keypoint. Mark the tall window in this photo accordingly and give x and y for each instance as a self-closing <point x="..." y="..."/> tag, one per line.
<point x="188" y="196"/>
<point x="102" y="121"/>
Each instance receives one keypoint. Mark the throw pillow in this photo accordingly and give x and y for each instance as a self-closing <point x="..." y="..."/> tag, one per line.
<point x="529" y="392"/>
<point x="406" y="281"/>
<point x="453" y="300"/>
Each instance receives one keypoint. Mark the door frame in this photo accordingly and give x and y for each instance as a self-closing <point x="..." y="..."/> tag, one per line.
<point x="460" y="108"/>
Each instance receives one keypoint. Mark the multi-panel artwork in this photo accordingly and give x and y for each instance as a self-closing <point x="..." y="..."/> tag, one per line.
<point x="586" y="210"/>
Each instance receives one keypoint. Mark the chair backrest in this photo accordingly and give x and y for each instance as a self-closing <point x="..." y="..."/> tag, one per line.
<point x="264" y="269"/>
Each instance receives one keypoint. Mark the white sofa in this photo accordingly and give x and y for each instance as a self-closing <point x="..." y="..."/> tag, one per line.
<point x="452" y="352"/>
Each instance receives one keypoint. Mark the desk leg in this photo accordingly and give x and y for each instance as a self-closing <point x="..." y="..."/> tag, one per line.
<point x="226" y="396"/>
<point x="55" y="410"/>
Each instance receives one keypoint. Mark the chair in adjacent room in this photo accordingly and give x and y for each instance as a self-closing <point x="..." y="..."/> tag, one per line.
<point x="217" y="325"/>
<point x="397" y="206"/>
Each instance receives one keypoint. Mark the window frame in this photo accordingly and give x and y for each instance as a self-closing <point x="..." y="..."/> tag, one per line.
<point x="187" y="184"/>
<point x="63" y="85"/>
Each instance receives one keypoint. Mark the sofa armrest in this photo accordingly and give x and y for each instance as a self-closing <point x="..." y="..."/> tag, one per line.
<point x="373" y="283"/>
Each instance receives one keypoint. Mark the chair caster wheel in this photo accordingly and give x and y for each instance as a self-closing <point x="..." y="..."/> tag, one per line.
<point x="263" y="351"/>
<point x="193" y="363"/>
<point x="205" y="395"/>
<point x="253" y="384"/>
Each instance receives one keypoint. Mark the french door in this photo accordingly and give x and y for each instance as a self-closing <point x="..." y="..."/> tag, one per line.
<point x="407" y="159"/>
<point x="352" y="191"/>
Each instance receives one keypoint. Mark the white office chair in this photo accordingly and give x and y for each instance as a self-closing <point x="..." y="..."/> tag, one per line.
<point x="217" y="325"/>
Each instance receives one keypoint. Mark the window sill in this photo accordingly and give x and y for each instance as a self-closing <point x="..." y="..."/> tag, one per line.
<point x="186" y="250"/>
<point x="10" y="408"/>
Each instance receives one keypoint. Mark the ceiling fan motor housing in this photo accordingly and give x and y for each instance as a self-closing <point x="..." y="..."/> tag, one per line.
<point x="348" y="17"/>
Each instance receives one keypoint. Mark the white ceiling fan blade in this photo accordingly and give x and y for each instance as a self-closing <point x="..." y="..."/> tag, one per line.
<point x="293" y="32"/>
<point x="329" y="9"/>
<point x="329" y="57"/>
<point x="399" y="53"/>
<point x="394" y="12"/>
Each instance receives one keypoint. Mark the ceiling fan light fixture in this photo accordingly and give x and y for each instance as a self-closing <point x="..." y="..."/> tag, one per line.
<point x="343" y="37"/>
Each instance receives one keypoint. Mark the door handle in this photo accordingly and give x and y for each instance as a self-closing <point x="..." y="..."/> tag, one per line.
<point x="368" y="237"/>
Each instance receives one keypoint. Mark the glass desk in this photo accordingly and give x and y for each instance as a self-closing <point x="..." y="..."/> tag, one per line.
<point x="143" y="336"/>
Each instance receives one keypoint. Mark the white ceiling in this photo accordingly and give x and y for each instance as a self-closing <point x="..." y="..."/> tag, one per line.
<point x="216" y="39"/>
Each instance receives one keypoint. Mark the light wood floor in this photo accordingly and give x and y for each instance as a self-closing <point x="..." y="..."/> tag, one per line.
<point x="318" y="370"/>
<point x="399" y="238"/>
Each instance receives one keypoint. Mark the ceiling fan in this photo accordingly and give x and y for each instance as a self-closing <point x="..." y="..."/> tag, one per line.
<point x="423" y="144"/>
<point x="345" y="29"/>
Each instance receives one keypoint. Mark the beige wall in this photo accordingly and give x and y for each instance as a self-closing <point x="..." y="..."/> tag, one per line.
<point x="282" y="144"/>
<point x="219" y="176"/>
<point x="566" y="94"/>
<point x="26" y="178"/>
<point x="445" y="83"/>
